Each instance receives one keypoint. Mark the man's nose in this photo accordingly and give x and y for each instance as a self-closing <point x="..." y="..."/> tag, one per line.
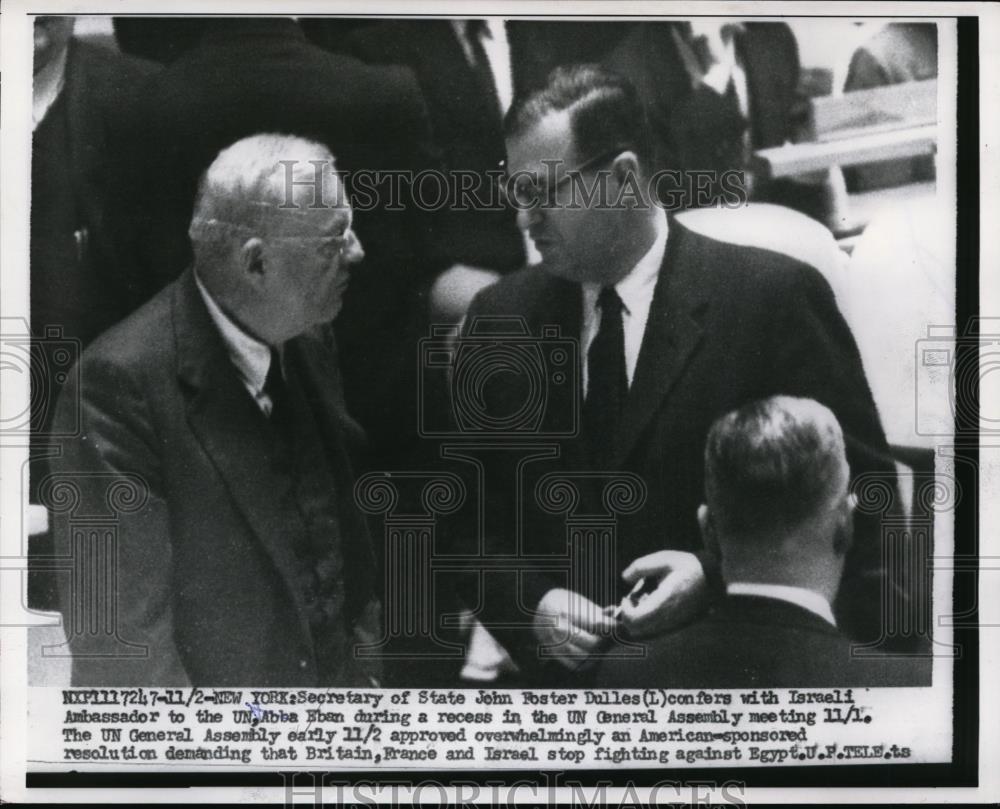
<point x="353" y="251"/>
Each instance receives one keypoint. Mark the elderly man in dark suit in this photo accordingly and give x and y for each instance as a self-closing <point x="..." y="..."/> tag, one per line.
<point x="242" y="559"/>
<point x="674" y="329"/>
<point x="780" y="514"/>
<point x="249" y="75"/>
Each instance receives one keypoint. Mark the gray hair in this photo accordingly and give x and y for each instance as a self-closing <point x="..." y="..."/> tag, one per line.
<point x="774" y="463"/>
<point x="253" y="183"/>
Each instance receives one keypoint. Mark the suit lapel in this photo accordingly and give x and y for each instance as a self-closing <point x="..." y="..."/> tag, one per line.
<point x="673" y="332"/>
<point x="231" y="429"/>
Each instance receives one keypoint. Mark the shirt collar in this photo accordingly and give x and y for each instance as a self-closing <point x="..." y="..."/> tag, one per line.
<point x="800" y="596"/>
<point x="633" y="289"/>
<point x="47" y="86"/>
<point x="251" y="357"/>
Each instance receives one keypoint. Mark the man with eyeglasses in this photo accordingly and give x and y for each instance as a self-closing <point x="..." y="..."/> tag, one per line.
<point x="241" y="557"/>
<point x="674" y="329"/>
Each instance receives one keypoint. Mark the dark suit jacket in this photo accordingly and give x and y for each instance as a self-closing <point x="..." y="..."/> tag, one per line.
<point x="752" y="642"/>
<point x="100" y="87"/>
<point x="206" y="573"/>
<point x="696" y="127"/>
<point x="248" y="76"/>
<point x="161" y="39"/>
<point x="727" y="325"/>
<point x="82" y="243"/>
<point x="466" y="123"/>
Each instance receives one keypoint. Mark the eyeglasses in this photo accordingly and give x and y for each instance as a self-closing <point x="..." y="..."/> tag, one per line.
<point x="524" y="190"/>
<point x="337" y="243"/>
<point x="328" y="243"/>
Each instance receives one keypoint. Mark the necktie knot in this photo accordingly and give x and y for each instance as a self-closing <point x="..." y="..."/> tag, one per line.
<point x="609" y="302"/>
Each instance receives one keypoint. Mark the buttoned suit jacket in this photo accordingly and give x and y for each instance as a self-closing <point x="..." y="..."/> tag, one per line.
<point x="205" y="575"/>
<point x="727" y="325"/>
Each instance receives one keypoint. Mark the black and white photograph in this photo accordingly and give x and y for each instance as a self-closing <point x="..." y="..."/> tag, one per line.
<point x="499" y="402"/>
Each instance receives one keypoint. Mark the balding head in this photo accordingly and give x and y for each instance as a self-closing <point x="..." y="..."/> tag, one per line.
<point x="776" y="481"/>
<point x="271" y="234"/>
<point x="265" y="180"/>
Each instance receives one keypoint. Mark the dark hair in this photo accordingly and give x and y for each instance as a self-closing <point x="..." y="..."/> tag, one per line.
<point x="772" y="464"/>
<point x="604" y="109"/>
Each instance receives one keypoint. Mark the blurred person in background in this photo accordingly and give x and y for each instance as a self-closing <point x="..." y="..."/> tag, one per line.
<point x="83" y="276"/>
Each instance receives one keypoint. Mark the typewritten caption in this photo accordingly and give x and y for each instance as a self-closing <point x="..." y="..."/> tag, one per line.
<point x="442" y="729"/>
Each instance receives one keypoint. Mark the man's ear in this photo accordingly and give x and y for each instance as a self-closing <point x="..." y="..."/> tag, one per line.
<point x="843" y="536"/>
<point x="708" y="536"/>
<point x="625" y="189"/>
<point x="252" y="258"/>
<point x="625" y="165"/>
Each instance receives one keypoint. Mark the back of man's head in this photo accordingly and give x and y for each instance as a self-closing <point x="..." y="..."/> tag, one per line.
<point x="776" y="480"/>
<point x="604" y="109"/>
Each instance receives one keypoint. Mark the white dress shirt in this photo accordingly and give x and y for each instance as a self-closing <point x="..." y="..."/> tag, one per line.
<point x="251" y="357"/>
<point x="497" y="54"/>
<point x="636" y="293"/>
<point x="47" y="86"/>
<point x="801" y="597"/>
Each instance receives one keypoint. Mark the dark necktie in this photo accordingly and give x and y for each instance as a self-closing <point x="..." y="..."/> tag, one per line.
<point x="475" y="30"/>
<point x="607" y="382"/>
<point x="274" y="387"/>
